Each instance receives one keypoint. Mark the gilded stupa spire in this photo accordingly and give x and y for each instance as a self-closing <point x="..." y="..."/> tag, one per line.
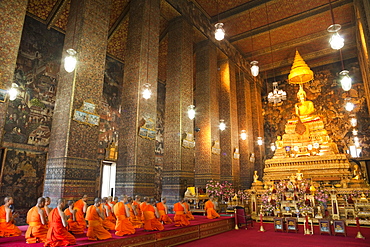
<point x="300" y="72"/>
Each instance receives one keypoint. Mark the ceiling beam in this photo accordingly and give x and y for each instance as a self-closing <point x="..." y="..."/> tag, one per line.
<point x="119" y="21"/>
<point x="56" y="12"/>
<point x="289" y="20"/>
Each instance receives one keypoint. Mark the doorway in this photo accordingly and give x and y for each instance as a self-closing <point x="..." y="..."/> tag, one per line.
<point x="108" y="179"/>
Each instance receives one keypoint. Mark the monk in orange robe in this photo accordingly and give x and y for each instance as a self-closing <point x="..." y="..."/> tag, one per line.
<point x="143" y="205"/>
<point x="136" y="207"/>
<point x="134" y="219"/>
<point x="111" y="203"/>
<point x="151" y="215"/>
<point x="162" y="210"/>
<point x="73" y="223"/>
<point x="46" y="207"/>
<point x="38" y="227"/>
<point x="180" y="214"/>
<point x="189" y="215"/>
<point x="95" y="217"/>
<point x="123" y="224"/>
<point x="81" y="205"/>
<point x="107" y="221"/>
<point x="210" y="209"/>
<point x="7" y="227"/>
<point x="57" y="233"/>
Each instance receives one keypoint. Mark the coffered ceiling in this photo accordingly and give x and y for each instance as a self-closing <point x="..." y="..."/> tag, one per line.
<point x="268" y="31"/>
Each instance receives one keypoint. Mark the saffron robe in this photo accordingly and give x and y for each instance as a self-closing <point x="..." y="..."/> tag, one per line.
<point x="7" y="229"/>
<point x="123" y="224"/>
<point x="57" y="233"/>
<point x="189" y="215"/>
<point x="80" y="215"/>
<point x="180" y="216"/>
<point x="107" y="223"/>
<point x="210" y="209"/>
<point x="36" y="231"/>
<point x="134" y="219"/>
<point x="74" y="226"/>
<point x="151" y="223"/>
<point x="95" y="230"/>
<point x="111" y="216"/>
<point x="162" y="213"/>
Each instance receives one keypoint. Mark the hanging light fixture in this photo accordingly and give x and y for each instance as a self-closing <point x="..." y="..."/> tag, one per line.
<point x="254" y="64"/>
<point x="243" y="135"/>
<point x="273" y="147"/>
<point x="353" y="122"/>
<point x="349" y="106"/>
<point x="346" y="81"/>
<point x="336" y="41"/>
<point x="70" y="60"/>
<point x="277" y="95"/>
<point x="222" y="125"/>
<point x="13" y="92"/>
<point x="355" y="132"/>
<point x="191" y="112"/>
<point x="259" y="141"/>
<point x="219" y="31"/>
<point x="147" y="92"/>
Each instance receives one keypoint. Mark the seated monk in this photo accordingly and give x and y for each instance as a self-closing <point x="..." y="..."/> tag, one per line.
<point x="134" y="213"/>
<point x="136" y="206"/>
<point x="123" y="224"/>
<point x="74" y="225"/>
<point x="107" y="221"/>
<point x="7" y="227"/>
<point x="95" y="216"/>
<point x="57" y="233"/>
<point x="189" y="215"/>
<point x="151" y="215"/>
<point x="38" y="227"/>
<point x="111" y="203"/>
<point x="81" y="206"/>
<point x="162" y="210"/>
<point x="143" y="205"/>
<point x="210" y="209"/>
<point x="46" y="207"/>
<point x="180" y="214"/>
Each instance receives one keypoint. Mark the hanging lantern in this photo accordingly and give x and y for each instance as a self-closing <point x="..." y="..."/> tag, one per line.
<point x="222" y="125"/>
<point x="349" y="106"/>
<point x="146" y="91"/>
<point x="346" y="81"/>
<point x="191" y="112"/>
<point x="70" y="60"/>
<point x="273" y="147"/>
<point x="13" y="92"/>
<point x="336" y="41"/>
<point x="254" y="68"/>
<point x="219" y="32"/>
<point x="354" y="122"/>
<point x="243" y="135"/>
<point x="259" y="141"/>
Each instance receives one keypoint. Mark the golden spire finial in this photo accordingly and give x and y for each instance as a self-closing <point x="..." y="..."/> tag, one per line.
<point x="300" y="72"/>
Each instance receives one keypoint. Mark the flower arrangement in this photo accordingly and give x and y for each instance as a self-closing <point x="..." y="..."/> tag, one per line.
<point x="217" y="189"/>
<point x="244" y="196"/>
<point x="322" y="196"/>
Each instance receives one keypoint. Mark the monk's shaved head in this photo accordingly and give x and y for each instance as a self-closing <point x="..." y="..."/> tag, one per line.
<point x="40" y="200"/>
<point x="97" y="200"/>
<point x="69" y="203"/>
<point x="60" y="201"/>
<point x="7" y="199"/>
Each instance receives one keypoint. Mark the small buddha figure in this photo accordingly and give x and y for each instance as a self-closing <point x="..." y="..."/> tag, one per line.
<point x="299" y="175"/>
<point x="357" y="172"/>
<point x="255" y="177"/>
<point x="304" y="107"/>
<point x="279" y="143"/>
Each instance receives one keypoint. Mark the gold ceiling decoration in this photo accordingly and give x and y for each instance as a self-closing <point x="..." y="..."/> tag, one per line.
<point x="300" y="72"/>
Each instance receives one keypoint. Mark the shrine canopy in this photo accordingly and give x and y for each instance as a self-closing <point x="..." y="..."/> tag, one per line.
<point x="300" y="72"/>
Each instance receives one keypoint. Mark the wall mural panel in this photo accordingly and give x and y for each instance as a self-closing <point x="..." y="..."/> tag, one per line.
<point x="329" y="99"/>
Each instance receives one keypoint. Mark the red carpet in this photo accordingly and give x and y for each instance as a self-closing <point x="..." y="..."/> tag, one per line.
<point x="82" y="239"/>
<point x="251" y="237"/>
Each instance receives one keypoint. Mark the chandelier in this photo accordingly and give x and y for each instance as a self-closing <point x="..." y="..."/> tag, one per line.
<point x="277" y="95"/>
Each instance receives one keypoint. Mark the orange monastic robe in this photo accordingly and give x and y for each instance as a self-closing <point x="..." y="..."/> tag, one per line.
<point x="123" y="224"/>
<point x="151" y="223"/>
<point x="80" y="216"/>
<point x="134" y="219"/>
<point x="189" y="215"/>
<point x="210" y="209"/>
<point x="7" y="229"/>
<point x="180" y="216"/>
<point x="36" y="231"/>
<point x="95" y="230"/>
<point x="162" y="212"/>
<point x="107" y="223"/>
<point x="111" y="215"/>
<point x="74" y="226"/>
<point x="138" y="215"/>
<point x="57" y="233"/>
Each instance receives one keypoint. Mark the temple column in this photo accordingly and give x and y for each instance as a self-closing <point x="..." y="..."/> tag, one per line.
<point x="136" y="155"/>
<point x="12" y="17"/>
<point x="245" y="124"/>
<point x="257" y="123"/>
<point x="229" y="169"/>
<point x="207" y="164"/>
<point x="178" y="161"/>
<point x="72" y="167"/>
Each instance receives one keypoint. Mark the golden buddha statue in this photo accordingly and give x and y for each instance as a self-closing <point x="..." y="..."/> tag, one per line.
<point x="304" y="107"/>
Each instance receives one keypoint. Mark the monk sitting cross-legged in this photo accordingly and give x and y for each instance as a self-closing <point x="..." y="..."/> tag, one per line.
<point x="7" y="227"/>
<point x="74" y="223"/>
<point x="57" y="233"/>
<point x="38" y="227"/>
<point x="81" y="207"/>
<point x="209" y="207"/>
<point x="95" y="217"/>
<point x="109" y="222"/>
<point x="123" y="225"/>
<point x="180" y="214"/>
<point x="151" y="215"/>
<point x="189" y="215"/>
<point x="162" y="210"/>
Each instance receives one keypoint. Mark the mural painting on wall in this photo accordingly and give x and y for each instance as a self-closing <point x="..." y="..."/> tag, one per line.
<point x="29" y="116"/>
<point x="23" y="176"/>
<point x="329" y="99"/>
<point x="109" y="122"/>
